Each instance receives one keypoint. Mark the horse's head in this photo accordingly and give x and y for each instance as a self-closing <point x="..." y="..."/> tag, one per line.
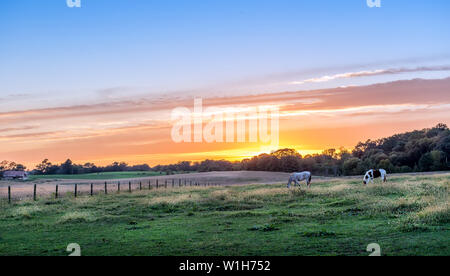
<point x="366" y="178"/>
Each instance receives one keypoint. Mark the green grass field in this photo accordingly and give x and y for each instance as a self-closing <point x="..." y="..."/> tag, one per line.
<point x="408" y="216"/>
<point x="99" y="176"/>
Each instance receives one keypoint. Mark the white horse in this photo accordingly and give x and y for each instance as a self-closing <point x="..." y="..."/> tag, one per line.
<point x="298" y="177"/>
<point x="372" y="174"/>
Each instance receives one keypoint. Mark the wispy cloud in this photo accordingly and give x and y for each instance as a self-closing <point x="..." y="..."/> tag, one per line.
<point x="29" y="135"/>
<point x="10" y="129"/>
<point x="378" y="72"/>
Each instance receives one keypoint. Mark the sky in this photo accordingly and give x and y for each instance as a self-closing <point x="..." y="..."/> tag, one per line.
<point x="98" y="83"/>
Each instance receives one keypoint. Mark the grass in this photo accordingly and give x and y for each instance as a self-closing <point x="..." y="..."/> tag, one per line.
<point x="410" y="215"/>
<point x="100" y="176"/>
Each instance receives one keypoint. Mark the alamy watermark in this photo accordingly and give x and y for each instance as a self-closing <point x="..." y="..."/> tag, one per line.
<point x="374" y="249"/>
<point x="226" y="125"/>
<point x="74" y="249"/>
<point x="73" y="3"/>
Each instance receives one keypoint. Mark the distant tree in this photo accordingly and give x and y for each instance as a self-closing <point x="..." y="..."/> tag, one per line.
<point x="44" y="167"/>
<point x="139" y="168"/>
<point x="290" y="163"/>
<point x="267" y="162"/>
<point x="4" y="166"/>
<point x="426" y="162"/>
<point x="67" y="167"/>
<point x="350" y="166"/>
<point x="443" y="144"/>
<point x="285" y="152"/>
<point x="439" y="161"/>
<point x="117" y="167"/>
<point x="404" y="169"/>
<point x="387" y="165"/>
<point x="184" y="166"/>
<point x="11" y="166"/>
<point x="330" y="152"/>
<point x="344" y="154"/>
<point x="19" y="167"/>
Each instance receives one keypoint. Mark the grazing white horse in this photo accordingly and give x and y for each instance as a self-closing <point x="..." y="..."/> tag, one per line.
<point x="372" y="174"/>
<point x="298" y="177"/>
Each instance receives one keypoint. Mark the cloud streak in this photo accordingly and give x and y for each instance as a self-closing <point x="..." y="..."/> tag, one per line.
<point x="372" y="73"/>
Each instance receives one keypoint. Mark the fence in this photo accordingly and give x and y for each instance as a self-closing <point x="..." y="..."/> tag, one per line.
<point x="90" y="189"/>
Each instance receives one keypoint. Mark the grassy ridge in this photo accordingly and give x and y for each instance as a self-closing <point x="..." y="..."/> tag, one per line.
<point x="408" y="216"/>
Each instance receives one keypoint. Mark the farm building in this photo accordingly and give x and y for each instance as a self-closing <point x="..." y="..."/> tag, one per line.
<point x="15" y="175"/>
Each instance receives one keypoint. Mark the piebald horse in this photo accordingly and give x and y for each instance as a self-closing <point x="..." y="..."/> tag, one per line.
<point x="298" y="177"/>
<point x="372" y="174"/>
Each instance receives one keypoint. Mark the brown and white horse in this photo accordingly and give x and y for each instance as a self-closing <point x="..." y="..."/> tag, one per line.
<point x="372" y="174"/>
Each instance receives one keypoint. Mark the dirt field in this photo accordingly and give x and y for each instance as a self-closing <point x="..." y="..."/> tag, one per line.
<point x="22" y="190"/>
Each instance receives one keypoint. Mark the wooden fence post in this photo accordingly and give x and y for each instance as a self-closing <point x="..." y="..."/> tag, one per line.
<point x="76" y="189"/>
<point x="92" y="189"/>
<point x="173" y="183"/>
<point x="129" y="186"/>
<point x="140" y="186"/>
<point x="165" y="184"/>
<point x="34" y="192"/>
<point x="149" y="184"/>
<point x="9" y="194"/>
<point x="157" y="183"/>
<point x="106" y="188"/>
<point x="56" y="191"/>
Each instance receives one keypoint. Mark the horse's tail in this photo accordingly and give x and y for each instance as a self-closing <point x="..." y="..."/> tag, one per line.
<point x="309" y="179"/>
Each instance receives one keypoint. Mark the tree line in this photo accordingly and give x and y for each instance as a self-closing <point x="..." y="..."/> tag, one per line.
<point x="415" y="151"/>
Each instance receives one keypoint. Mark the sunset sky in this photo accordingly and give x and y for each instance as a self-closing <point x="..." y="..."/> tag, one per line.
<point x="99" y="83"/>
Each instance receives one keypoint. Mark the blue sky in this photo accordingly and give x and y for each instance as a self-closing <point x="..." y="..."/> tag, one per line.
<point x="56" y="53"/>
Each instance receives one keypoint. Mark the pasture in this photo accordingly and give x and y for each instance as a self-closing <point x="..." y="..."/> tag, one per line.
<point x="409" y="215"/>
<point x="100" y="176"/>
